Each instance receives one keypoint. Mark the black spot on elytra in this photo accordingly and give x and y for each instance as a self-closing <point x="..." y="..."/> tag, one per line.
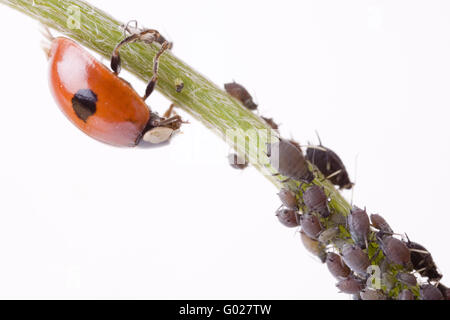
<point x="84" y="103"/>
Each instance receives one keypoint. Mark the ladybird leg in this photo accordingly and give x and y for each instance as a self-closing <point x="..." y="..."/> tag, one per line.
<point x="173" y="122"/>
<point x="127" y="29"/>
<point x="169" y="111"/>
<point x="115" y="59"/>
<point x="151" y="85"/>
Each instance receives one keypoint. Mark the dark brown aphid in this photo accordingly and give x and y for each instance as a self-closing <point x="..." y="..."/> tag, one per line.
<point x="316" y="200"/>
<point x="368" y="294"/>
<point x="423" y="262"/>
<point x="310" y="225"/>
<point x="337" y="267"/>
<point x="238" y="92"/>
<point x="288" y="198"/>
<point x="313" y="246"/>
<point x="445" y="291"/>
<point x="350" y="285"/>
<point x="381" y="224"/>
<point x="430" y="292"/>
<point x="288" y="217"/>
<point x="289" y="161"/>
<point x="359" y="226"/>
<point x="395" y="251"/>
<point x="406" y="295"/>
<point x="355" y="258"/>
<point x="297" y="145"/>
<point x="329" y="163"/>
<point x="407" y="279"/>
<point x="271" y="123"/>
<point x="237" y="162"/>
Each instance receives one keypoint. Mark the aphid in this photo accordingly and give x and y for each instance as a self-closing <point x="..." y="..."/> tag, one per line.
<point x="310" y="225"/>
<point x="313" y="246"/>
<point x="355" y="258"/>
<point x="296" y="144"/>
<point x="237" y="162"/>
<point x="395" y="251"/>
<point x="97" y="101"/>
<point x="328" y="235"/>
<point x="368" y="294"/>
<point x="423" y="262"/>
<point x="406" y="295"/>
<point x="289" y="161"/>
<point x="350" y="285"/>
<point x="407" y="279"/>
<point x="288" y="198"/>
<point x="179" y="85"/>
<point x="329" y="163"/>
<point x="238" y="92"/>
<point x="359" y="226"/>
<point x="271" y="123"/>
<point x="316" y="200"/>
<point x="430" y="292"/>
<point x="337" y="267"/>
<point x="288" y="217"/>
<point x="381" y="224"/>
<point x="445" y="291"/>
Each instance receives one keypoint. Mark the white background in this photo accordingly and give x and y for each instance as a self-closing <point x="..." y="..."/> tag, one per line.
<point x="79" y="219"/>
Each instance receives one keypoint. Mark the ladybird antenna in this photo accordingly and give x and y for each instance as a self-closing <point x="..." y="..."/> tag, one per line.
<point x="47" y="41"/>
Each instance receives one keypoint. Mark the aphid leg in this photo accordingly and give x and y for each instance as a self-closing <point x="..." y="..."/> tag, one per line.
<point x="334" y="174"/>
<point x="151" y="85"/>
<point x="276" y="174"/>
<point x="420" y="251"/>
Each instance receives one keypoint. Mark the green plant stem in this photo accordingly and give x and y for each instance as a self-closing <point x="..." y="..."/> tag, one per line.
<point x="201" y="98"/>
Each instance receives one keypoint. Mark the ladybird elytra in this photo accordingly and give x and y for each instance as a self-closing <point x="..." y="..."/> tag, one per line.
<point x="93" y="98"/>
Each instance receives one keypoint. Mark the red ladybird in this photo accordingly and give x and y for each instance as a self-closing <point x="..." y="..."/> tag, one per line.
<point x="101" y="104"/>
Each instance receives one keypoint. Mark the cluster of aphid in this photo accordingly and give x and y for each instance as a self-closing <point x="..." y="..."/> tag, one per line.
<point x="362" y="253"/>
<point x="349" y="255"/>
<point x="108" y="109"/>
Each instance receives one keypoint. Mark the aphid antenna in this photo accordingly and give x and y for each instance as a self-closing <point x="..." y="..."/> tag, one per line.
<point x="318" y="138"/>
<point x="355" y="174"/>
<point x="311" y="146"/>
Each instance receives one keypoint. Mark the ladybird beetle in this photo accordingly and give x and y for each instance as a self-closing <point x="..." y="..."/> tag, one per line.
<point x="98" y="102"/>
